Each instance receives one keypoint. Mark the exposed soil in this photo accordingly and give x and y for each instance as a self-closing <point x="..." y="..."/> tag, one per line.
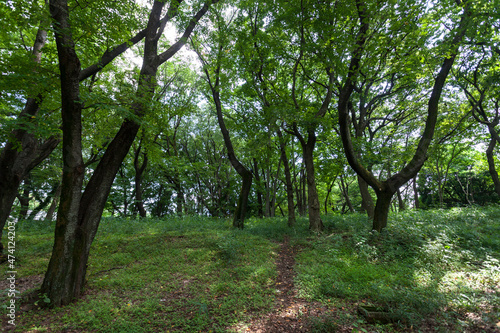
<point x="292" y="313"/>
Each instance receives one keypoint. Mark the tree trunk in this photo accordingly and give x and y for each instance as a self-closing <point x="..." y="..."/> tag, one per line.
<point x="16" y="164"/>
<point x="416" y="200"/>
<point x="366" y="197"/>
<point x="491" y="165"/>
<point x="245" y="174"/>
<point x="275" y="190"/>
<point x="386" y="189"/>
<point x="42" y="205"/>
<point x="288" y="180"/>
<point x="345" y="193"/>
<point x="298" y="192"/>
<point x="65" y="274"/>
<point x="260" y="212"/>
<point x="241" y="208"/>
<point x="328" y="191"/>
<point x="139" y="174"/>
<point x="267" y="207"/>
<point x="179" y="200"/>
<point x="24" y="199"/>
<point x="315" y="222"/>
<point x="53" y="205"/>
<point x="401" y="202"/>
<point x="382" y="208"/>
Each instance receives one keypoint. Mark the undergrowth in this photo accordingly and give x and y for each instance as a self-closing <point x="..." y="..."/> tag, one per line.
<point x="439" y="267"/>
<point x="434" y="269"/>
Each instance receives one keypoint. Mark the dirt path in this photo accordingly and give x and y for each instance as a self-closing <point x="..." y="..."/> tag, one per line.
<point x="290" y="312"/>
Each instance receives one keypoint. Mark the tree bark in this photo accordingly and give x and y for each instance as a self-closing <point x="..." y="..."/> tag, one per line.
<point x="366" y="197"/>
<point x="328" y="191"/>
<point x="401" y="202"/>
<point x="267" y="206"/>
<point x="245" y="174"/>
<point x="15" y="164"/>
<point x="139" y="174"/>
<point x="24" y="199"/>
<point x="53" y="205"/>
<point x="345" y="193"/>
<point x="416" y="200"/>
<point x="179" y="199"/>
<point x="288" y="180"/>
<point x="491" y="165"/>
<point x="260" y="211"/>
<point x="315" y="222"/>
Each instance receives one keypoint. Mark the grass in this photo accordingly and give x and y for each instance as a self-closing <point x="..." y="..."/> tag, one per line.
<point x="439" y="266"/>
<point x="437" y="270"/>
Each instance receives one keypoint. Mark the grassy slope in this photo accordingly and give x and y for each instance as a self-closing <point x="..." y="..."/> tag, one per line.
<point x="199" y="275"/>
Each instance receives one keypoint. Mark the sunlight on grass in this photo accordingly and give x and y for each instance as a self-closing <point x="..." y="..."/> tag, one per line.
<point x="200" y="274"/>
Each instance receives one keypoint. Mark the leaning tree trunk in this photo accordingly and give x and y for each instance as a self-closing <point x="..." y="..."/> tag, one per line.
<point x="53" y="205"/>
<point x="245" y="174"/>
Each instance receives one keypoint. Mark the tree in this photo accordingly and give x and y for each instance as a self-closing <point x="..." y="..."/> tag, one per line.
<point x="25" y="147"/>
<point x="478" y="78"/>
<point x="213" y="75"/>
<point x="79" y="213"/>
<point x="276" y="49"/>
<point x="386" y="189"/>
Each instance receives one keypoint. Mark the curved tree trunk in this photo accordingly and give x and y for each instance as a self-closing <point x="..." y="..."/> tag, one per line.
<point x="245" y="174"/>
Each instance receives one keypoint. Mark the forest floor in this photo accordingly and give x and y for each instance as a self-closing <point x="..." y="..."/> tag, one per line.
<point x="431" y="271"/>
<point x="294" y="314"/>
<point x="290" y="313"/>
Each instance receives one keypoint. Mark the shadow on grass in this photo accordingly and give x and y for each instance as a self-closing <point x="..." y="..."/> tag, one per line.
<point x="436" y="268"/>
<point x="430" y="268"/>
